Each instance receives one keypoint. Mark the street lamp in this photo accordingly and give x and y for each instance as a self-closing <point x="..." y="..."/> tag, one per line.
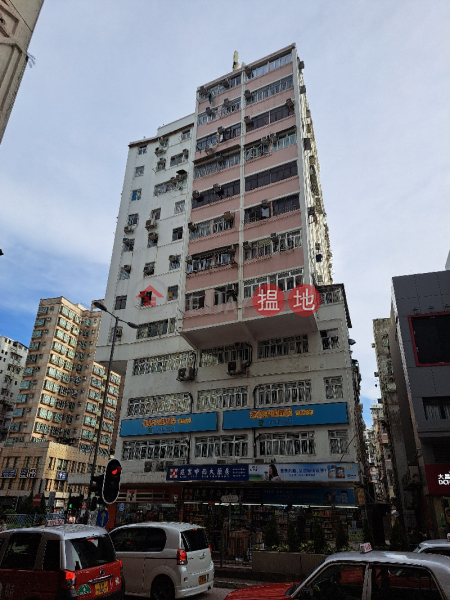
<point x="102" y="307"/>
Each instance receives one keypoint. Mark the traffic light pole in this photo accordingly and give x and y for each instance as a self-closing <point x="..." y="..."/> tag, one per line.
<point x="105" y="395"/>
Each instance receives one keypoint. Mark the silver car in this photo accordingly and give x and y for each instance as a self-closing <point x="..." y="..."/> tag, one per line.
<point x="441" y="547"/>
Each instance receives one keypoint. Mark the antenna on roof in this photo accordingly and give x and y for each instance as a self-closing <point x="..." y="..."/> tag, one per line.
<point x="235" y="60"/>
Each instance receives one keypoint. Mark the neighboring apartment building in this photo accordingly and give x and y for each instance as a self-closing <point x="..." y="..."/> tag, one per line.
<point x="12" y="362"/>
<point x="17" y="22"/>
<point x="419" y="335"/>
<point x="218" y="396"/>
<point x="55" y="422"/>
<point x="373" y="460"/>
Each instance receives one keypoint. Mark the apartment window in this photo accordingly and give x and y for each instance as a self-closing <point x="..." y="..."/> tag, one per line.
<point x="284" y="205"/>
<point x="180" y="207"/>
<point x="155" y="329"/>
<point x="128" y="244"/>
<point x="124" y="273"/>
<point x="175" y="262"/>
<point x="255" y="151"/>
<point x="283" y="242"/>
<point x="256" y="213"/>
<point x="138" y="171"/>
<point x="219" y="164"/>
<point x="121" y="302"/>
<point x="206" y="142"/>
<point x="333" y="388"/>
<point x="172" y="292"/>
<point x="283" y="393"/>
<point x="226" y="190"/>
<point x="231" y="106"/>
<point x="201" y="230"/>
<point x="273" y="175"/>
<point x="207" y="117"/>
<point x="224" y="354"/>
<point x="330" y="339"/>
<point x="279" y="62"/>
<point x="234" y="397"/>
<point x="186" y="135"/>
<point x="283" y="346"/>
<point x="160" y="364"/>
<point x="270" y="90"/>
<point x="271" y="116"/>
<point x="284" y="280"/>
<point x="142" y="150"/>
<point x="338" y="441"/>
<point x="223" y="257"/>
<point x="155" y="449"/>
<point x="195" y="301"/>
<point x="224" y="294"/>
<point x="431" y="335"/>
<point x="258" y="71"/>
<point x="221" y="446"/>
<point x="178" y="159"/>
<point x="152" y="240"/>
<point x="155" y="214"/>
<point x="165" y="404"/>
<point x="177" y="234"/>
<point x="149" y="269"/>
<point x="230" y="132"/>
<point x="133" y="219"/>
<point x="136" y="194"/>
<point x="168" y="186"/>
<point x="437" y="408"/>
<point x="161" y="164"/>
<point x="286" y="444"/>
<point x="284" y="140"/>
<point x="219" y="88"/>
<point x="220" y="224"/>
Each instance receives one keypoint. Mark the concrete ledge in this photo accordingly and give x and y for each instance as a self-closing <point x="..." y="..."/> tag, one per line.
<point x="293" y="565"/>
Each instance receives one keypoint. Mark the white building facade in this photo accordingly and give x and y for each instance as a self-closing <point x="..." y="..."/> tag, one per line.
<point x="219" y="397"/>
<point x="13" y="355"/>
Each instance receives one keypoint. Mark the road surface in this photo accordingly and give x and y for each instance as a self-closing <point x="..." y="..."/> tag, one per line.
<point x="214" y="594"/>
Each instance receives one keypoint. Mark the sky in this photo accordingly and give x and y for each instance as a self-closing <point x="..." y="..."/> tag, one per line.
<point x="108" y="73"/>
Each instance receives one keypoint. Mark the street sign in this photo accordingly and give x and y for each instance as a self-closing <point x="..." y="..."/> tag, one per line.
<point x="121" y="507"/>
<point x="230" y="499"/>
<point x="36" y="499"/>
<point x="102" y="517"/>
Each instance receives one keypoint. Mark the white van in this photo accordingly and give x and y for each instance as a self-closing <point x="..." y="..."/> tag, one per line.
<point x="164" y="561"/>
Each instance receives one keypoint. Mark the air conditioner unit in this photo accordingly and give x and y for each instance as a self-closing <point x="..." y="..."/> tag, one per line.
<point x="159" y="150"/>
<point x="149" y="270"/>
<point x="226" y="102"/>
<point x="196" y="194"/>
<point x="45" y="330"/>
<point x="265" y="140"/>
<point x="248" y="120"/>
<point x="40" y="355"/>
<point x="192" y="226"/>
<point x="237" y="367"/>
<point x="29" y="409"/>
<point x="290" y="103"/>
<point x="128" y="229"/>
<point x="246" y="245"/>
<point x="51" y="308"/>
<point x="189" y="258"/>
<point x="153" y="237"/>
<point x="311" y="211"/>
<point x="119" y="332"/>
<point x="219" y="131"/>
<point x="84" y="378"/>
<point x="173" y="258"/>
<point x="217" y="188"/>
<point x="303" y="89"/>
<point x="247" y="94"/>
<point x="274" y="236"/>
<point x="301" y="65"/>
<point x="150" y="223"/>
<point x="185" y="151"/>
<point x="186" y="374"/>
<point x="228" y="215"/>
<point x="127" y="268"/>
<point x="226" y="83"/>
<point x="37" y="369"/>
<point x="208" y="150"/>
<point x="209" y="111"/>
<point x="78" y="417"/>
<point x="173" y="180"/>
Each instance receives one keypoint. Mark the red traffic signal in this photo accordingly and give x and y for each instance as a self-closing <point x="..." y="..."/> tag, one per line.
<point x="111" y="482"/>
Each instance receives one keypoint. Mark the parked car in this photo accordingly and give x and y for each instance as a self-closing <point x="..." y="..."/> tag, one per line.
<point x="370" y="576"/>
<point x="59" y="563"/>
<point x="441" y="547"/>
<point x="164" y="561"/>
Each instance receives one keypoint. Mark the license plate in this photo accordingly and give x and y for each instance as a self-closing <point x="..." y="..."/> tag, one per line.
<point x="101" y="588"/>
<point x="202" y="579"/>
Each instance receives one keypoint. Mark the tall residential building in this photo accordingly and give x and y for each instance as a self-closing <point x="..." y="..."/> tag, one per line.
<point x="56" y="417"/>
<point x="17" y="22"/>
<point x="220" y="399"/>
<point x="12" y="362"/>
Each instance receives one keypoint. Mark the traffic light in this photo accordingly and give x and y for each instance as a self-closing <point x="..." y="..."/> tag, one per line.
<point x="111" y="483"/>
<point x="96" y="489"/>
<point x="70" y="502"/>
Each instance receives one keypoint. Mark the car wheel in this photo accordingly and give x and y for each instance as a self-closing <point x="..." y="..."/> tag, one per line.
<point x="162" y="589"/>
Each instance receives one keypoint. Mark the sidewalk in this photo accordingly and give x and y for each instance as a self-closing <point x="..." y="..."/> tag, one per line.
<point x="236" y="577"/>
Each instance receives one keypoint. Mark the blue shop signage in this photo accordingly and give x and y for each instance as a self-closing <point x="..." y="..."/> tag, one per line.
<point x="171" y="424"/>
<point x="9" y="473"/>
<point x="286" y="416"/>
<point x="62" y="475"/>
<point x="208" y="473"/>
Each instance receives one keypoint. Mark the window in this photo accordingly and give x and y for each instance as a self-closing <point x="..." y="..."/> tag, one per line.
<point x="338" y="441"/>
<point x="128" y="245"/>
<point x="402" y="582"/>
<point x="256" y="213"/>
<point x="177" y="234"/>
<point x="284" y="205"/>
<point x="166" y="404"/>
<point x="207" y="117"/>
<point x="152" y="240"/>
<point x="230" y="132"/>
<point x="194" y="540"/>
<point x="85" y="553"/>
<point x="161" y="164"/>
<point x="284" y="280"/>
<point x="206" y="142"/>
<point x="224" y="354"/>
<point x="284" y="140"/>
<point x="195" y="301"/>
<point x="133" y="219"/>
<point x="168" y="186"/>
<point x="179" y="158"/>
<point x="279" y="62"/>
<point x="139" y="171"/>
<point x="283" y="242"/>
<point x="283" y="393"/>
<point x="269" y="90"/>
<point x="273" y="175"/>
<point x="221" y="224"/>
<point x="139" y="539"/>
<point x="142" y="150"/>
<point x="219" y="164"/>
<point x="21" y="551"/>
<point x="231" y="107"/>
<point x="172" y="292"/>
<point x="155" y="449"/>
<point x="186" y="135"/>
<point x="333" y="388"/>
<point x="255" y="151"/>
<point x="175" y="262"/>
<point x="283" y="346"/>
<point x="437" y="408"/>
<point x="121" y="302"/>
<point x="201" y="230"/>
<point x="149" y="269"/>
<point x="136" y="194"/>
<point x="221" y="446"/>
<point x="219" y="88"/>
<point x="180" y="207"/>
<point x="257" y="71"/>
<point x="155" y="214"/>
<point x="342" y="581"/>
<point x="330" y="339"/>
<point x="124" y="273"/>
<point x="234" y="397"/>
<point x="156" y="328"/>
<point x="225" y="294"/>
<point x="160" y="364"/>
<point x="286" y="444"/>
<point x="271" y="116"/>
<point x="431" y="339"/>
<point x="226" y="190"/>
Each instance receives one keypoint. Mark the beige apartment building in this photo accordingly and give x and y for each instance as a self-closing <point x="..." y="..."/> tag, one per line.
<point x="55" y="422"/>
<point x="12" y="362"/>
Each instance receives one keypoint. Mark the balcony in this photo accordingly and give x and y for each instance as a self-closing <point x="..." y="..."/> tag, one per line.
<point x="272" y="263"/>
<point x="279" y="188"/>
<point x="265" y="161"/>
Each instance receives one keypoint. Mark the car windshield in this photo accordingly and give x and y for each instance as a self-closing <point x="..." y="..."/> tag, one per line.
<point x="194" y="539"/>
<point x="83" y="553"/>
